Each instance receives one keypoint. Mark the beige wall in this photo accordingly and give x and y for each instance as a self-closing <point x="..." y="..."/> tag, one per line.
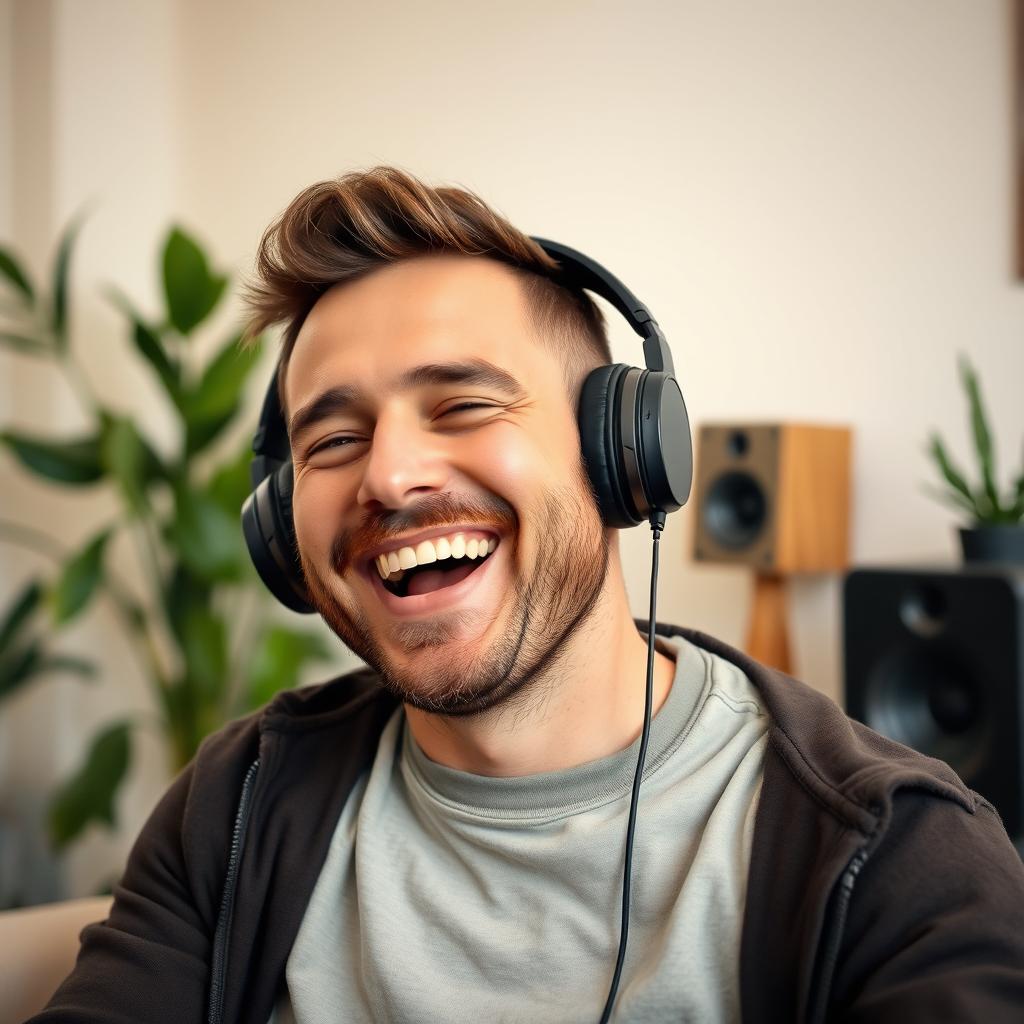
<point x="814" y="198"/>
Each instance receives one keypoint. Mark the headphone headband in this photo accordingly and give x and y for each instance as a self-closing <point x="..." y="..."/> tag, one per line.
<point x="581" y="271"/>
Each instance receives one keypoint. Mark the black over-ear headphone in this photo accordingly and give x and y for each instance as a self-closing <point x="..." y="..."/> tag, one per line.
<point x="634" y="435"/>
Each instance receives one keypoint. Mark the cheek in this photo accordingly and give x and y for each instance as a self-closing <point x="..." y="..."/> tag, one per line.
<point x="516" y="462"/>
<point x="510" y="469"/>
<point x="316" y="509"/>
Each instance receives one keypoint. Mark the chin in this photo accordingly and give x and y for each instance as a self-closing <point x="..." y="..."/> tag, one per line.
<point x="457" y="634"/>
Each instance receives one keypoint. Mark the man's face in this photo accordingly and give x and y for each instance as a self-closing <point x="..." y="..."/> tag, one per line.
<point x="427" y="420"/>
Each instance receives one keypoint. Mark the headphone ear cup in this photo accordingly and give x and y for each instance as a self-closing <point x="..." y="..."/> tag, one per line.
<point x="664" y="444"/>
<point x="598" y="420"/>
<point x="269" y="531"/>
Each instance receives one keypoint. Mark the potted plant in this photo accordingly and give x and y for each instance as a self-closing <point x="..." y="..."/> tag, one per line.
<point x="995" y="532"/>
<point x="201" y="624"/>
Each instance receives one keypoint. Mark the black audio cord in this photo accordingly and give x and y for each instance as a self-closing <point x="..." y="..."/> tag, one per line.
<point x="657" y="524"/>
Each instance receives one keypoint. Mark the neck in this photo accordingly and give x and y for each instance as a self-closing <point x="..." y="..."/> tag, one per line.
<point x="587" y="705"/>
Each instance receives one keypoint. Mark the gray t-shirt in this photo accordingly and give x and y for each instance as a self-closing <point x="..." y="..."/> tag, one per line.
<point x="448" y="896"/>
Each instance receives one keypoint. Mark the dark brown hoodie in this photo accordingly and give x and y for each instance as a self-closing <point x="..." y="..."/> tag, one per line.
<point x="880" y="888"/>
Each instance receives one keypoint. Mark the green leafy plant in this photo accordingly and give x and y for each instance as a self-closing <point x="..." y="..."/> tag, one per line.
<point x="982" y="503"/>
<point x="200" y="623"/>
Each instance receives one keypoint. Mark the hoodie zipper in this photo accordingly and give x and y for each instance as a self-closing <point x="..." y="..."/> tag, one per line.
<point x="227" y="901"/>
<point x="835" y="936"/>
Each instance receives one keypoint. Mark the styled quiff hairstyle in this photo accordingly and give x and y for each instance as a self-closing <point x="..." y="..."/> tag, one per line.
<point x="339" y="230"/>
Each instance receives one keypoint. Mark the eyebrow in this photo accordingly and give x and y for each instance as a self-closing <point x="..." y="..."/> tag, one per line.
<point x="337" y="400"/>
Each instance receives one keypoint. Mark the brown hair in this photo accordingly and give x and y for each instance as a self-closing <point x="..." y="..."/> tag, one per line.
<point x="336" y="231"/>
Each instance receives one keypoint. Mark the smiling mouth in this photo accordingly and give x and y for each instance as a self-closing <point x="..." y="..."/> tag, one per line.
<point x="426" y="579"/>
<point x="433" y="564"/>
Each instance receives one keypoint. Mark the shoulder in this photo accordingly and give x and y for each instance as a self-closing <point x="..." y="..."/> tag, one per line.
<point x="720" y="678"/>
<point x="934" y="926"/>
<point x="195" y="815"/>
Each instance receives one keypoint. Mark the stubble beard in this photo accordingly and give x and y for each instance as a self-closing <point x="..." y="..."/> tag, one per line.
<point x="542" y="613"/>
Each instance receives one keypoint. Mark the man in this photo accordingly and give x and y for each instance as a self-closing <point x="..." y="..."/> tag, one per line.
<point x="439" y="837"/>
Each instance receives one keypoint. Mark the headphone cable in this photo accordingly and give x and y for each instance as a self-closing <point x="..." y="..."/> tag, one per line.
<point x="657" y="524"/>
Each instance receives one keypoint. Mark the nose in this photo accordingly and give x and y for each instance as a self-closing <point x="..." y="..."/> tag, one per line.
<point x="405" y="463"/>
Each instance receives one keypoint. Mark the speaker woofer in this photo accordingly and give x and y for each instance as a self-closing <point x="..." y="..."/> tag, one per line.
<point x="735" y="510"/>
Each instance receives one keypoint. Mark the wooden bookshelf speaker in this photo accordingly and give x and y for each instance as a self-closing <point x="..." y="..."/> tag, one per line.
<point x="774" y="497"/>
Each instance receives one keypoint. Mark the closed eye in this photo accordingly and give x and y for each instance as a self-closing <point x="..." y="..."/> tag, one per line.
<point x="468" y="405"/>
<point x="333" y="442"/>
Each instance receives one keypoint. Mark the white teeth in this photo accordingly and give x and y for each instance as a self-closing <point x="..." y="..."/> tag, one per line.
<point x="392" y="565"/>
<point x="425" y="553"/>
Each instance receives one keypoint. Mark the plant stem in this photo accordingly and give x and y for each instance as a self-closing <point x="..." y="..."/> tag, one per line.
<point x="146" y="549"/>
<point x="246" y="629"/>
<point x="136" y="622"/>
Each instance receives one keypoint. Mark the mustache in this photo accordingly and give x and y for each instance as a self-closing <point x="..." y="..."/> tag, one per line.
<point x="430" y="511"/>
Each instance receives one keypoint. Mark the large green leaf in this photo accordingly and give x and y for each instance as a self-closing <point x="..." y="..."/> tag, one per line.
<point x="11" y="268"/>
<point x="190" y="288"/>
<point x="230" y="483"/>
<point x="215" y="400"/>
<point x="78" y="580"/>
<point x="23" y="657"/>
<point x="18" y="665"/>
<point x="205" y="536"/>
<point x="131" y="460"/>
<point x="89" y="794"/>
<point x="67" y="462"/>
<point x="200" y="434"/>
<point x="221" y="385"/>
<point x="148" y="342"/>
<point x="61" y="274"/>
<point x="19" y="612"/>
<point x="277" y="660"/>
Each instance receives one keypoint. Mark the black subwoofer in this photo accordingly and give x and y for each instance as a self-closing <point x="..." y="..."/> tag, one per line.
<point x="934" y="658"/>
